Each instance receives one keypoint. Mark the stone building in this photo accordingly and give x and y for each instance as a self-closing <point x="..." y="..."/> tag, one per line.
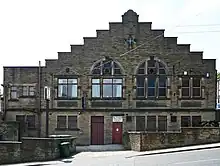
<point x="129" y="77"/>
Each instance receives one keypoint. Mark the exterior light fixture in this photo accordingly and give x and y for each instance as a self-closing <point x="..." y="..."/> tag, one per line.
<point x="185" y="73"/>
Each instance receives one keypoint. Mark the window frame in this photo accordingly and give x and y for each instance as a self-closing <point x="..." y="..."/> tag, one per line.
<point x="191" y="87"/>
<point x="115" y="73"/>
<point x="143" y="71"/>
<point x="101" y="87"/>
<point x="29" y="90"/>
<point x="14" y="89"/>
<point x="67" y="125"/>
<point x="66" y="84"/>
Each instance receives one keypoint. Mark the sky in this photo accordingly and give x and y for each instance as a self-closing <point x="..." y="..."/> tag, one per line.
<point x="35" y="30"/>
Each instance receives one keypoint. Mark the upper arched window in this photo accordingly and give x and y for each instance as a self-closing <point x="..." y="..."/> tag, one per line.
<point x="107" y="81"/>
<point x="151" y="79"/>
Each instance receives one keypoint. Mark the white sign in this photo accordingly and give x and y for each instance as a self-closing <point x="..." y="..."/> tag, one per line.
<point x="117" y="119"/>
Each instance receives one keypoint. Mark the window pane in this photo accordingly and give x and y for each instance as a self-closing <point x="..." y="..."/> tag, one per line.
<point x="72" y="122"/>
<point x="151" y="63"/>
<point x="151" y="92"/>
<point x="95" y="90"/>
<point x="117" y="71"/>
<point x="13" y="88"/>
<point x="162" y="82"/>
<point x="107" y="81"/>
<point x="185" y="92"/>
<point x="152" y="71"/>
<point x="31" y="121"/>
<point x="31" y="91"/>
<point x="72" y="81"/>
<point x="162" y="71"/>
<point x="61" y="122"/>
<point x="185" y="82"/>
<point x="151" y="81"/>
<point x="14" y="95"/>
<point x="162" y="123"/>
<point x="140" y="81"/>
<point x="117" y="90"/>
<point x="62" y="81"/>
<point x="107" y="68"/>
<point x="141" y="71"/>
<point x="107" y="90"/>
<point x="151" y="123"/>
<point x="140" y="92"/>
<point x="95" y="81"/>
<point x="196" y="121"/>
<point x="62" y="91"/>
<point x="162" y="91"/>
<point x="185" y="121"/>
<point x="196" y="92"/>
<point x="196" y="82"/>
<point x="140" y="123"/>
<point x="96" y="71"/>
<point x="72" y="91"/>
<point x="25" y="91"/>
<point x="117" y="80"/>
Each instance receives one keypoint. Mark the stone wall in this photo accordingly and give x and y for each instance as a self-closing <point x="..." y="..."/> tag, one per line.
<point x="9" y="131"/>
<point x="143" y="141"/>
<point x="32" y="149"/>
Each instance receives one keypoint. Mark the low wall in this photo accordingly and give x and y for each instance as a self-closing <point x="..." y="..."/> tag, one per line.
<point x="143" y="141"/>
<point x="32" y="149"/>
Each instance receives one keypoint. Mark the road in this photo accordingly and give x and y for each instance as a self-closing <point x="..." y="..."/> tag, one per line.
<point x="207" y="157"/>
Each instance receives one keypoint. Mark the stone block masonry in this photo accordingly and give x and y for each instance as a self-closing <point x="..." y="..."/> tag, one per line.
<point x="32" y="149"/>
<point x="144" y="141"/>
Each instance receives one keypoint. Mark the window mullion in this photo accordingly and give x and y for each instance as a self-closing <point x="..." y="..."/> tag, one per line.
<point x="146" y="87"/>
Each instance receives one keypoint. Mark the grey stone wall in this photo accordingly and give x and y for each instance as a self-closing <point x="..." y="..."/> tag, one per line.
<point x="144" y="141"/>
<point x="32" y="149"/>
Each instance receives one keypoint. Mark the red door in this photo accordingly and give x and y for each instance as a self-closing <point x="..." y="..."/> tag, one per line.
<point x="97" y="130"/>
<point x="117" y="132"/>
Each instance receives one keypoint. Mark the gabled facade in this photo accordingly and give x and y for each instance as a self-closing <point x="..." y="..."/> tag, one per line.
<point x="129" y="77"/>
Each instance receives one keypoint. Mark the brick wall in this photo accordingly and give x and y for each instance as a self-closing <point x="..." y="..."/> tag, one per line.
<point x="143" y="141"/>
<point x="32" y="149"/>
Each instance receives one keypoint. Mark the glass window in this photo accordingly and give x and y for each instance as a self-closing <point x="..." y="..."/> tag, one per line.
<point x="96" y="91"/>
<point x="117" y="90"/>
<point x="61" y="122"/>
<point x="31" y="91"/>
<point x="24" y="91"/>
<point x="67" y="88"/>
<point x="13" y="92"/>
<point x="72" y="122"/>
<point x="107" y="90"/>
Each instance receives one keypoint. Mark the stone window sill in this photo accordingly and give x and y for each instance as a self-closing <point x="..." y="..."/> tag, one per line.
<point x="104" y="99"/>
<point x="67" y="129"/>
<point x="67" y="99"/>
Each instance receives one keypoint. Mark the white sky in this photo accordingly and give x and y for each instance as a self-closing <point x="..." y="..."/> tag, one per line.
<point x="35" y="30"/>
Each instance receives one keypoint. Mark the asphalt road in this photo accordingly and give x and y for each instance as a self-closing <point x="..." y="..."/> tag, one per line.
<point x="207" y="157"/>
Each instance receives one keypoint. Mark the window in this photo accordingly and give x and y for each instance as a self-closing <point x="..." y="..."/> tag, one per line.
<point x="151" y="80"/>
<point x="151" y="123"/>
<point x="67" y="122"/>
<point x="72" y="122"/>
<point x="196" y="121"/>
<point x="67" y="88"/>
<point x="28" y="91"/>
<point x="13" y="92"/>
<point x="61" y="122"/>
<point x="162" y="123"/>
<point x="106" y="85"/>
<point x="30" y="121"/>
<point x="185" y="121"/>
<point x="191" y="87"/>
<point x="140" y="123"/>
<point x="185" y="87"/>
<point x="128" y="118"/>
<point x="196" y="87"/>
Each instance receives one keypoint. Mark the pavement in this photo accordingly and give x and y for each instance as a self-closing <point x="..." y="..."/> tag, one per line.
<point x="202" y="155"/>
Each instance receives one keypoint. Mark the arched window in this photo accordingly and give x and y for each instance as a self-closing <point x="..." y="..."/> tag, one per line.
<point x="107" y="81"/>
<point x="151" y="79"/>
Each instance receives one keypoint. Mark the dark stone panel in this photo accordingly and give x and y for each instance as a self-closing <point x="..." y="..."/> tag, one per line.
<point x="106" y="104"/>
<point x="149" y="104"/>
<point x="67" y="104"/>
<point x="191" y="104"/>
